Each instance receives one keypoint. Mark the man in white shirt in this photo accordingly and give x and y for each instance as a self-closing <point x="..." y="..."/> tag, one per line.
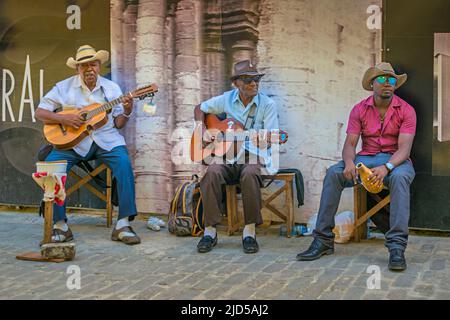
<point x="105" y="143"/>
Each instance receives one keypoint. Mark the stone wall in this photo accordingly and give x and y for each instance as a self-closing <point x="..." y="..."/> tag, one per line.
<point x="314" y="53"/>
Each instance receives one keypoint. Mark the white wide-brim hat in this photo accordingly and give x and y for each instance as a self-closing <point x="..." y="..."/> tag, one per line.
<point x="86" y="54"/>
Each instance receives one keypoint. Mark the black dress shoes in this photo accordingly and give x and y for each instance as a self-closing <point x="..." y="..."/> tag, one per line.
<point x="315" y="251"/>
<point x="250" y="245"/>
<point x="397" y="261"/>
<point x="206" y="244"/>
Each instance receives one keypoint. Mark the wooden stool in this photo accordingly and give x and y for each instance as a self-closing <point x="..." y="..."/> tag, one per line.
<point x="84" y="181"/>
<point x="50" y="252"/>
<point x="361" y="213"/>
<point x="235" y="220"/>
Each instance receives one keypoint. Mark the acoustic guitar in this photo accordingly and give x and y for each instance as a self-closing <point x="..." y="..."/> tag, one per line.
<point x="227" y="136"/>
<point x="94" y="116"/>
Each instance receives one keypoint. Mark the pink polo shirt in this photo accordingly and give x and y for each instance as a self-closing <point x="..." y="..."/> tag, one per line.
<point x="365" y="120"/>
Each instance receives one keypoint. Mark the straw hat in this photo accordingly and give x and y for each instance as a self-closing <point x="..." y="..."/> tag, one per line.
<point x="381" y="69"/>
<point x="86" y="54"/>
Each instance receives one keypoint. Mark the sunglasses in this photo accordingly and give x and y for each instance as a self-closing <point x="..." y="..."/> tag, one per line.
<point x="248" y="80"/>
<point x="382" y="80"/>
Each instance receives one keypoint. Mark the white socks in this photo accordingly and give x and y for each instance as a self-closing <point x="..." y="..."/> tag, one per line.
<point x="249" y="231"/>
<point x="210" y="231"/>
<point x="122" y="223"/>
<point x="61" y="225"/>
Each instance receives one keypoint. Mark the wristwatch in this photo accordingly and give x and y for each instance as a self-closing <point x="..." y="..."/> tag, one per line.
<point x="389" y="166"/>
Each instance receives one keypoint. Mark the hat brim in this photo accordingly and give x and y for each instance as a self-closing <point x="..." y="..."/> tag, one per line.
<point x="101" y="55"/>
<point x="373" y="72"/>
<point x="249" y="73"/>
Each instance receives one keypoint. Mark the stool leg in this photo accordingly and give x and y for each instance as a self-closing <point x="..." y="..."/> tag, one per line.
<point x="290" y="213"/>
<point x="360" y="208"/>
<point x="356" y="212"/>
<point x="363" y="202"/>
<point x="48" y="221"/>
<point x="109" y="207"/>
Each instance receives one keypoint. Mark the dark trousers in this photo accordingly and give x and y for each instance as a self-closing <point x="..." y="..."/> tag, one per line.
<point x="217" y="176"/>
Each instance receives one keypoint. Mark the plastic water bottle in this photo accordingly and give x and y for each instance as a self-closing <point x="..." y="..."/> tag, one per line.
<point x="369" y="232"/>
<point x="283" y="231"/>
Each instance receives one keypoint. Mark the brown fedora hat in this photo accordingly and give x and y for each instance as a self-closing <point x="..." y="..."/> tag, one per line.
<point x="381" y="69"/>
<point x="86" y="54"/>
<point x="245" y="68"/>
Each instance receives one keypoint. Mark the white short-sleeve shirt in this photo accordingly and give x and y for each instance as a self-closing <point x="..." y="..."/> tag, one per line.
<point x="73" y="92"/>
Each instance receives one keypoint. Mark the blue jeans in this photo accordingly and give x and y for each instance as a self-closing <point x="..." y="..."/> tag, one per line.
<point x="398" y="182"/>
<point x="118" y="161"/>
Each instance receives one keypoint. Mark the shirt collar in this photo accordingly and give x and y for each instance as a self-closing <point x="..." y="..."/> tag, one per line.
<point x="80" y="83"/>
<point x="396" y="103"/>
<point x="236" y="97"/>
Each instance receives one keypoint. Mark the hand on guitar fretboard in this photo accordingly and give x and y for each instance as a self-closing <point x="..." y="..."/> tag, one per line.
<point x="263" y="139"/>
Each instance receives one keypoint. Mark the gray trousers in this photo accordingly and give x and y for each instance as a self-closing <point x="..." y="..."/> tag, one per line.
<point x="398" y="182"/>
<point x="218" y="175"/>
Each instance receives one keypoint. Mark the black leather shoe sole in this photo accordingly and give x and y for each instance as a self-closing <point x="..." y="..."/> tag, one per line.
<point x="251" y="250"/>
<point x="251" y="247"/>
<point x="311" y="258"/>
<point x="204" y="249"/>
<point x="398" y="267"/>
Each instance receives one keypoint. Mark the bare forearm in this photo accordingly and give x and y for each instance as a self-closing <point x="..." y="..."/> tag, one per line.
<point x="400" y="156"/>
<point x="199" y="115"/>
<point x="48" y="117"/>
<point x="348" y="154"/>
<point x="405" y="142"/>
<point x="120" y="121"/>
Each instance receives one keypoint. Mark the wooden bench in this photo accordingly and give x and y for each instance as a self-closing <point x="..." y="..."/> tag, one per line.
<point x="236" y="220"/>
<point x="361" y="213"/>
<point x="84" y="181"/>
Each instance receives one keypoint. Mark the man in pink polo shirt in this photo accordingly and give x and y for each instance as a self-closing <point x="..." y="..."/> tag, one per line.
<point x="387" y="125"/>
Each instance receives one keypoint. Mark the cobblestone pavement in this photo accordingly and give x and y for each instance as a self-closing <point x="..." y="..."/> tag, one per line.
<point x="168" y="267"/>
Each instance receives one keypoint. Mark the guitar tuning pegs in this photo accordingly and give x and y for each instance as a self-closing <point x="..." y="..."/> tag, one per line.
<point x="145" y="96"/>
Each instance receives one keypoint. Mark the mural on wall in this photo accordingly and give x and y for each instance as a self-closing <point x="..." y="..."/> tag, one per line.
<point x="313" y="54"/>
<point x="32" y="60"/>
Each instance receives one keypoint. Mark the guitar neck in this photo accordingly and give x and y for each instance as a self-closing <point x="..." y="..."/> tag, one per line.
<point x="107" y="106"/>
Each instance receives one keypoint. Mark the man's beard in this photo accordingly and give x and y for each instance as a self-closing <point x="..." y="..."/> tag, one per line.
<point x="386" y="96"/>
